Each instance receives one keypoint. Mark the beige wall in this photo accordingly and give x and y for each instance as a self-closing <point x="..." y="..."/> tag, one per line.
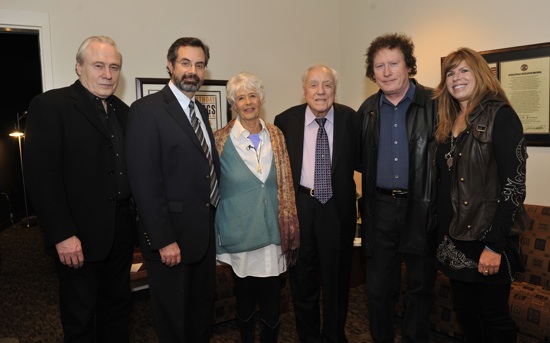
<point x="438" y="27"/>
<point x="278" y="39"/>
<point x="275" y="39"/>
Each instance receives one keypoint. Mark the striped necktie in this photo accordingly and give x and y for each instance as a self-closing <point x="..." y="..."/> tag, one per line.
<point x="214" y="192"/>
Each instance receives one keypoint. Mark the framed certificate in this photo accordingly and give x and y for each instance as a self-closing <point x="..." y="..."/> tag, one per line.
<point x="524" y="73"/>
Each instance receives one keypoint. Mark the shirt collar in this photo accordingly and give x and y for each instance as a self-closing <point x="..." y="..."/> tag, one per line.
<point x="93" y="98"/>
<point x="310" y="117"/>
<point x="182" y="98"/>
<point x="409" y="95"/>
<point x="239" y="130"/>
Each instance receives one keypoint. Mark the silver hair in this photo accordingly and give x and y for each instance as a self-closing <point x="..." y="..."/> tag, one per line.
<point x="86" y="44"/>
<point x="332" y="71"/>
<point x="245" y="81"/>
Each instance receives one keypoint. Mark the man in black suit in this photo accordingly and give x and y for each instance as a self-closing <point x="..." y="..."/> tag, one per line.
<point x="76" y="175"/>
<point x="327" y="228"/>
<point x="174" y="180"/>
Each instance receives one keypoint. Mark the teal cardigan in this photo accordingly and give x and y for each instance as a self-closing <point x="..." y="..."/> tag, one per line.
<point x="247" y="214"/>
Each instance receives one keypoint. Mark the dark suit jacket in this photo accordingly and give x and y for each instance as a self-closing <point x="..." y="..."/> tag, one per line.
<point x="69" y="168"/>
<point x="168" y="174"/>
<point x="345" y="155"/>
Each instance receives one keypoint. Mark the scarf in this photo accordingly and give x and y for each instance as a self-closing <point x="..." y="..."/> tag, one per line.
<point x="288" y="217"/>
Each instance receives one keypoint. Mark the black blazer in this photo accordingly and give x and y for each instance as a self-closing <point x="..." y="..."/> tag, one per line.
<point x="69" y="164"/>
<point x="345" y="154"/>
<point x="169" y="176"/>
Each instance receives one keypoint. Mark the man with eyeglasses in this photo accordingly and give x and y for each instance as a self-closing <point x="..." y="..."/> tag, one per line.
<point x="173" y="169"/>
<point x="76" y="174"/>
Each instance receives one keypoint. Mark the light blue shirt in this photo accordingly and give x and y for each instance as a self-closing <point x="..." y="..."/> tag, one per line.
<point x="257" y="160"/>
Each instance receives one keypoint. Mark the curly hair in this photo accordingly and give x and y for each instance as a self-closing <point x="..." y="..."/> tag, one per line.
<point x="391" y="41"/>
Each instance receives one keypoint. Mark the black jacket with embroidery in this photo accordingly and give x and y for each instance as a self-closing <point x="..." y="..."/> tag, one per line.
<point x="479" y="189"/>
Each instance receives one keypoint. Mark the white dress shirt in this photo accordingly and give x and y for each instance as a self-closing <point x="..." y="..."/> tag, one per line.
<point x="266" y="261"/>
<point x="184" y="103"/>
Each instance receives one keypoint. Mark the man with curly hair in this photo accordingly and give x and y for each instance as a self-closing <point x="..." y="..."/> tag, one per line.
<point x="398" y="124"/>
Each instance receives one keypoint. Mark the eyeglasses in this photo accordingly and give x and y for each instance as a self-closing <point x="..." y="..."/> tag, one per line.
<point x="188" y="65"/>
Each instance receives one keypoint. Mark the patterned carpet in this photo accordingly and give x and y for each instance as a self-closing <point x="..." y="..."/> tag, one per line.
<point x="28" y="300"/>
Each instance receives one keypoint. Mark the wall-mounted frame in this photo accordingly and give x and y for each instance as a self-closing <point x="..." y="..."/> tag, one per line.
<point x="524" y="73"/>
<point x="212" y="95"/>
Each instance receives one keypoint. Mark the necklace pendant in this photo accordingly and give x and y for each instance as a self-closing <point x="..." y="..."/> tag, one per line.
<point x="450" y="162"/>
<point x="259" y="169"/>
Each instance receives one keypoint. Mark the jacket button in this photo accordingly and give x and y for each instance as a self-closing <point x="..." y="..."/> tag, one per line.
<point x="466" y="203"/>
<point x="207" y="204"/>
<point x="459" y="154"/>
<point x="469" y="226"/>
<point x="461" y="179"/>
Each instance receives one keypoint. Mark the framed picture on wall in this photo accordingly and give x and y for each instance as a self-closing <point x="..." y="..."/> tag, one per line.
<point x="212" y="95"/>
<point x="524" y="74"/>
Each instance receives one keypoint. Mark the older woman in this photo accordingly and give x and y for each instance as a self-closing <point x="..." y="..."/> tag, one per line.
<point x="256" y="222"/>
<point x="480" y="161"/>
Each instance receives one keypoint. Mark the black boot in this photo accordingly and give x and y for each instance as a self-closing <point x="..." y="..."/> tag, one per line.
<point x="268" y="334"/>
<point x="247" y="328"/>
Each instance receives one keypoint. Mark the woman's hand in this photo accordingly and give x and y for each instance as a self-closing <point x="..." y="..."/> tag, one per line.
<point x="489" y="262"/>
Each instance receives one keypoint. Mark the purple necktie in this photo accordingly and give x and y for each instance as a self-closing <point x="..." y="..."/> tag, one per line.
<point x="322" y="185"/>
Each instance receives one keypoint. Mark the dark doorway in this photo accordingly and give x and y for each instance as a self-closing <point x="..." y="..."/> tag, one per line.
<point x="21" y="81"/>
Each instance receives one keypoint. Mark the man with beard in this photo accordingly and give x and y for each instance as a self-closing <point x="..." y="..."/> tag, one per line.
<point x="173" y="169"/>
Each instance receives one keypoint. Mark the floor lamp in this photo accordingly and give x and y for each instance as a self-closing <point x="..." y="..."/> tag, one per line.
<point x="19" y="134"/>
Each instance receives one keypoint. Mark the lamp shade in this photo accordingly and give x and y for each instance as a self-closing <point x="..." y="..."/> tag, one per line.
<point x="17" y="133"/>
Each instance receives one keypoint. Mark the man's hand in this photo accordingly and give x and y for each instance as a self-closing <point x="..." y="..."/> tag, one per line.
<point x="489" y="262"/>
<point x="70" y="252"/>
<point x="170" y="255"/>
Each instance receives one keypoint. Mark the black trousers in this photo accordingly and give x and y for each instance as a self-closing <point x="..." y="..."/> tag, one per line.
<point x="484" y="312"/>
<point x="324" y="260"/>
<point x="265" y="291"/>
<point x="95" y="300"/>
<point x="384" y="278"/>
<point x="182" y="297"/>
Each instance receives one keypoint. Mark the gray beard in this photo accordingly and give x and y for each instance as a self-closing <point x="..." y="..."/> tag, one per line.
<point x="189" y="87"/>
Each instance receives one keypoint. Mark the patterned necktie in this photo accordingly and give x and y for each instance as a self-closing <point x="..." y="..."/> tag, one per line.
<point x="214" y="192"/>
<point x="322" y="185"/>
